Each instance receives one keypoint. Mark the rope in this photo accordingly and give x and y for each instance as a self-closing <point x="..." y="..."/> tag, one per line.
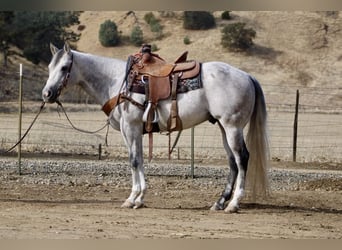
<point x="28" y="129"/>
<point x="82" y="130"/>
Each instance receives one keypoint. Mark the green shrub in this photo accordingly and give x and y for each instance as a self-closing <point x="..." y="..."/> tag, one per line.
<point x="198" y="20"/>
<point x="236" y="37"/>
<point x="137" y="36"/>
<point x="108" y="34"/>
<point x="226" y="15"/>
<point x="154" y="47"/>
<point x="186" y="40"/>
<point x="156" y="27"/>
<point x="154" y="24"/>
<point x="149" y="18"/>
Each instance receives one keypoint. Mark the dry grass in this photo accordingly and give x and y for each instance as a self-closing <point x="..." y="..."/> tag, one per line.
<point x="291" y="48"/>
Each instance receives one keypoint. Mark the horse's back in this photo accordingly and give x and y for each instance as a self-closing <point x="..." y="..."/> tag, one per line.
<point x="223" y="75"/>
<point x="229" y="92"/>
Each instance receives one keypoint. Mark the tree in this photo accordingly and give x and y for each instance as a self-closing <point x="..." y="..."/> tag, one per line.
<point x="32" y="31"/>
<point x="108" y="34"/>
<point x="198" y="20"/>
<point x="236" y="37"/>
<point x="6" y="18"/>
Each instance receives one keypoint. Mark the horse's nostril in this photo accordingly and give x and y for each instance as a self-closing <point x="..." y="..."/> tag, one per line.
<point x="47" y="94"/>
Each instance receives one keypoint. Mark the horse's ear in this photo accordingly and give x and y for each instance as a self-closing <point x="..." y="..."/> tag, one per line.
<point x="53" y="49"/>
<point x="66" y="47"/>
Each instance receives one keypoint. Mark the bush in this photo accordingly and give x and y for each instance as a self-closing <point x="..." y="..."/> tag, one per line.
<point x="137" y="37"/>
<point x="149" y="18"/>
<point x="81" y="27"/>
<point x="154" y="24"/>
<point x="186" y="40"/>
<point x="198" y="20"/>
<point x="154" y="47"/>
<point x="108" y="34"/>
<point x="226" y="15"/>
<point x="236" y="37"/>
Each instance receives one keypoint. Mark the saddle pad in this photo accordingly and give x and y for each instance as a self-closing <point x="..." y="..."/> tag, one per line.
<point x="183" y="85"/>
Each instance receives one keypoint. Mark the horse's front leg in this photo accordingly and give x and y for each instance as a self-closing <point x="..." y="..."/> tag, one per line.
<point x="133" y="138"/>
<point x="136" y="197"/>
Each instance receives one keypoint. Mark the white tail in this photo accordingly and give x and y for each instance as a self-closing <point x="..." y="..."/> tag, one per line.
<point x="257" y="144"/>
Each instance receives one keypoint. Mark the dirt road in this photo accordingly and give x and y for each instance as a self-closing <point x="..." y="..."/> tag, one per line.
<point x="39" y="206"/>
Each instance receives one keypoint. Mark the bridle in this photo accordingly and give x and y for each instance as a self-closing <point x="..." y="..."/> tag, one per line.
<point x="63" y="85"/>
<point x="66" y="77"/>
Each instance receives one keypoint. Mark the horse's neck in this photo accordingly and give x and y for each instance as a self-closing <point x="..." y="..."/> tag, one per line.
<point x="100" y="77"/>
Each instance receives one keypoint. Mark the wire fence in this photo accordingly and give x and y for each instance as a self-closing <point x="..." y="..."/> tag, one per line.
<point x="319" y="136"/>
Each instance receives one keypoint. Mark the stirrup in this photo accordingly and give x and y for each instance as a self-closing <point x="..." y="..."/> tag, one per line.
<point x="155" y="115"/>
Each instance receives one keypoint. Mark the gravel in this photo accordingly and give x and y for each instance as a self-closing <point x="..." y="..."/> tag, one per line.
<point x="111" y="172"/>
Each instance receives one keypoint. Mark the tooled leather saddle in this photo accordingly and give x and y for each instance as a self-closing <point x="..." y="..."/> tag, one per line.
<point x="149" y="74"/>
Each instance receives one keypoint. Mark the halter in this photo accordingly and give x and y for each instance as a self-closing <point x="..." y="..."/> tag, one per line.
<point x="66" y="77"/>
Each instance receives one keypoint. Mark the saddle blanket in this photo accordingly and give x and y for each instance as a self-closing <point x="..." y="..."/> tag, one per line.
<point x="183" y="85"/>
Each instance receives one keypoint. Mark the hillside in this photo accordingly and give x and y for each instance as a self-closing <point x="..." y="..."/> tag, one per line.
<point x="292" y="49"/>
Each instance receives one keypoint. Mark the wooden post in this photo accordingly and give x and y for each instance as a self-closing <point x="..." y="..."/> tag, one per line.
<point x="100" y="151"/>
<point x="20" y="115"/>
<point x="192" y="152"/>
<point x="295" y="128"/>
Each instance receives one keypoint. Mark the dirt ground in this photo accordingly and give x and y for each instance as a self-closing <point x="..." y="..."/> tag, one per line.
<point x="176" y="207"/>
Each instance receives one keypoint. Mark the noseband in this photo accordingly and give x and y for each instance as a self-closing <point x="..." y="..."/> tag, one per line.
<point x="66" y="77"/>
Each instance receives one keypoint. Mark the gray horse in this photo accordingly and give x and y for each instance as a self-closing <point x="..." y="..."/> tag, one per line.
<point x="230" y="96"/>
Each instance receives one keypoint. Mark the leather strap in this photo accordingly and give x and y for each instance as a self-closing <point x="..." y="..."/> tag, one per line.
<point x="150" y="146"/>
<point x="174" y="122"/>
<point x="111" y="104"/>
<point x="116" y="100"/>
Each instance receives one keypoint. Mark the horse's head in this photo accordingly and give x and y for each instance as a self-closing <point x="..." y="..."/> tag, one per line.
<point x="59" y="73"/>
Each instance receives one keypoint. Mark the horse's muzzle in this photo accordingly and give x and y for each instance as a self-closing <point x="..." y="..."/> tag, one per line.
<point x="49" y="95"/>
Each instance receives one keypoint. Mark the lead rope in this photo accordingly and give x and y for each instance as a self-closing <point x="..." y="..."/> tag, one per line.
<point x="28" y="129"/>
<point x="82" y="130"/>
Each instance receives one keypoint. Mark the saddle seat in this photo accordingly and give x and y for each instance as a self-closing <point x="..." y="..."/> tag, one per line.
<point x="155" y="66"/>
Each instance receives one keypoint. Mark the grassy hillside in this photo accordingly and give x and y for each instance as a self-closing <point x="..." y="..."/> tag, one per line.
<point x="294" y="49"/>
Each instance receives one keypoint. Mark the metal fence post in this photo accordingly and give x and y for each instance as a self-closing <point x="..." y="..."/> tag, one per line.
<point x="192" y="152"/>
<point x="295" y="128"/>
<point x="20" y="115"/>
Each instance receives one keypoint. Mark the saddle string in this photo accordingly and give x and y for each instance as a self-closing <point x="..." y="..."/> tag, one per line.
<point x="28" y="129"/>
<point x="174" y="143"/>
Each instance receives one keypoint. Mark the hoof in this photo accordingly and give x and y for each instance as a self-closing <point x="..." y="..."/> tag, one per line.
<point x="232" y="209"/>
<point x="138" y="205"/>
<point x="127" y="204"/>
<point x="216" y="207"/>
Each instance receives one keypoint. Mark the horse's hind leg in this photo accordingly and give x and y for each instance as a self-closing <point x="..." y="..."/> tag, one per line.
<point x="227" y="192"/>
<point x="238" y="156"/>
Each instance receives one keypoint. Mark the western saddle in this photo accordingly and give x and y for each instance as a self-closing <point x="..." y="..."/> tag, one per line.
<point x="158" y="80"/>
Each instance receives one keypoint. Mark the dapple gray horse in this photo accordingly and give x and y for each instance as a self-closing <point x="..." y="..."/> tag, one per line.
<point x="230" y="96"/>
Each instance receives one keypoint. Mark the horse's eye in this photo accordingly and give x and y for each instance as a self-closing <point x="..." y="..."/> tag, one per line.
<point x="64" y="68"/>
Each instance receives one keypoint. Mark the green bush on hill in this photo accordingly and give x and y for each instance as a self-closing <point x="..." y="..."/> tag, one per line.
<point x="137" y="36"/>
<point x="198" y="20"/>
<point x="236" y="37"/>
<point x="108" y="34"/>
